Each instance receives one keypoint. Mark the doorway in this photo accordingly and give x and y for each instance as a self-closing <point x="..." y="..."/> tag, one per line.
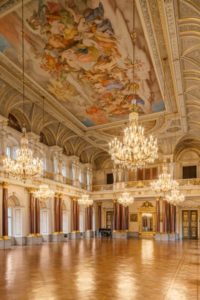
<point x="109" y="219"/>
<point x="190" y="224"/>
<point x="44" y="221"/>
<point x="66" y="222"/>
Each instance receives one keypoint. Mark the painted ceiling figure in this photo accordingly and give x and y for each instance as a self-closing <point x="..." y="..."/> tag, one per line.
<point x="83" y="56"/>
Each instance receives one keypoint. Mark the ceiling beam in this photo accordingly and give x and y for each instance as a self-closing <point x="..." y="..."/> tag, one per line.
<point x="168" y="12"/>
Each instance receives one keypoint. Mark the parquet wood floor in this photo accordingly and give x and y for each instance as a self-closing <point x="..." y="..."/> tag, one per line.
<point x="102" y="269"/>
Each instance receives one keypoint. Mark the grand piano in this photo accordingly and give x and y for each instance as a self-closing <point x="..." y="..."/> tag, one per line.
<point x="105" y="232"/>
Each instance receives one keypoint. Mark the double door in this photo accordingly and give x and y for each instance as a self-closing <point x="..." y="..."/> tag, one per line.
<point x="190" y="224"/>
<point x="109" y="219"/>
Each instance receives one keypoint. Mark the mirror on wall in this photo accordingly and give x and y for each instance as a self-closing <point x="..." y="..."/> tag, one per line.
<point x="147" y="222"/>
<point x="147" y="219"/>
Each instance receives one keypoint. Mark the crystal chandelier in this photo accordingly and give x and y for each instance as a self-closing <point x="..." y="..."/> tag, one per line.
<point x="85" y="200"/>
<point x="44" y="192"/>
<point x="175" y="197"/>
<point x="135" y="150"/>
<point x="25" y="166"/>
<point x="165" y="183"/>
<point x="125" y="199"/>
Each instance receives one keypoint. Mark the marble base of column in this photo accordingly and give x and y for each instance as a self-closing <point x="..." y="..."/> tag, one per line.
<point x="166" y="236"/>
<point x="161" y="236"/>
<point x="34" y="240"/>
<point x="173" y="236"/>
<point x="46" y="238"/>
<point x="89" y="234"/>
<point x="20" y="241"/>
<point x="57" y="237"/>
<point x="120" y="234"/>
<point x="75" y="235"/>
<point x="1" y="244"/>
<point x="5" y="243"/>
<point x="133" y="234"/>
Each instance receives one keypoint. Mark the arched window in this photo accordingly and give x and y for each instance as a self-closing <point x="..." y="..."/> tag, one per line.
<point x="8" y="151"/>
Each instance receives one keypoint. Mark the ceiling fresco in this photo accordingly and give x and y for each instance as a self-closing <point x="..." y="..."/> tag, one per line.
<point x="81" y="52"/>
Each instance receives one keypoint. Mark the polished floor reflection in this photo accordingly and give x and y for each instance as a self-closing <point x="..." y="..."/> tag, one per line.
<point x="102" y="269"/>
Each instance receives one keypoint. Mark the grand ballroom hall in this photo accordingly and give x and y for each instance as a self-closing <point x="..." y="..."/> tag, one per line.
<point x="99" y="149"/>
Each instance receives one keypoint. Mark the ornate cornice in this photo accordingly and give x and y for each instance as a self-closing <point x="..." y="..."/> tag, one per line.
<point x="171" y="31"/>
<point x="7" y="6"/>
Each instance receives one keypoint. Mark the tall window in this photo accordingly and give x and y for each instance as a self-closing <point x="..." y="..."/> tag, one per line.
<point x="189" y="172"/>
<point x="10" y="231"/>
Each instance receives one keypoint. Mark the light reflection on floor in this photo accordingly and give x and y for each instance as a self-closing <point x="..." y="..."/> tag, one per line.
<point x="147" y="251"/>
<point x="102" y="269"/>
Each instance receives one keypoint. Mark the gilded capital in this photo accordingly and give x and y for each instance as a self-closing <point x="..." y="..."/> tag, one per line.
<point x="4" y="185"/>
<point x="58" y="194"/>
<point x="31" y="190"/>
<point x="74" y="198"/>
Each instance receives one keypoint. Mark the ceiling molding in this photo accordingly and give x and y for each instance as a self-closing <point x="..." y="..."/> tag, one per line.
<point x="7" y="6"/>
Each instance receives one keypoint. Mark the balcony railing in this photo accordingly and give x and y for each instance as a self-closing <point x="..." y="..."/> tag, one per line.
<point x="48" y="176"/>
<point x="105" y="187"/>
<point x="141" y="184"/>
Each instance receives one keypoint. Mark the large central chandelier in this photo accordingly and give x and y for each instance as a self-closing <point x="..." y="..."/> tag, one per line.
<point x="135" y="150"/>
<point x="165" y="183"/>
<point x="85" y="200"/>
<point x="175" y="197"/>
<point x="125" y="199"/>
<point x="25" y="166"/>
<point x="44" y="192"/>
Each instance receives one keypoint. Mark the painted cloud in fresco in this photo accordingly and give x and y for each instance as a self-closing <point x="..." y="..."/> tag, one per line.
<point x="82" y="52"/>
